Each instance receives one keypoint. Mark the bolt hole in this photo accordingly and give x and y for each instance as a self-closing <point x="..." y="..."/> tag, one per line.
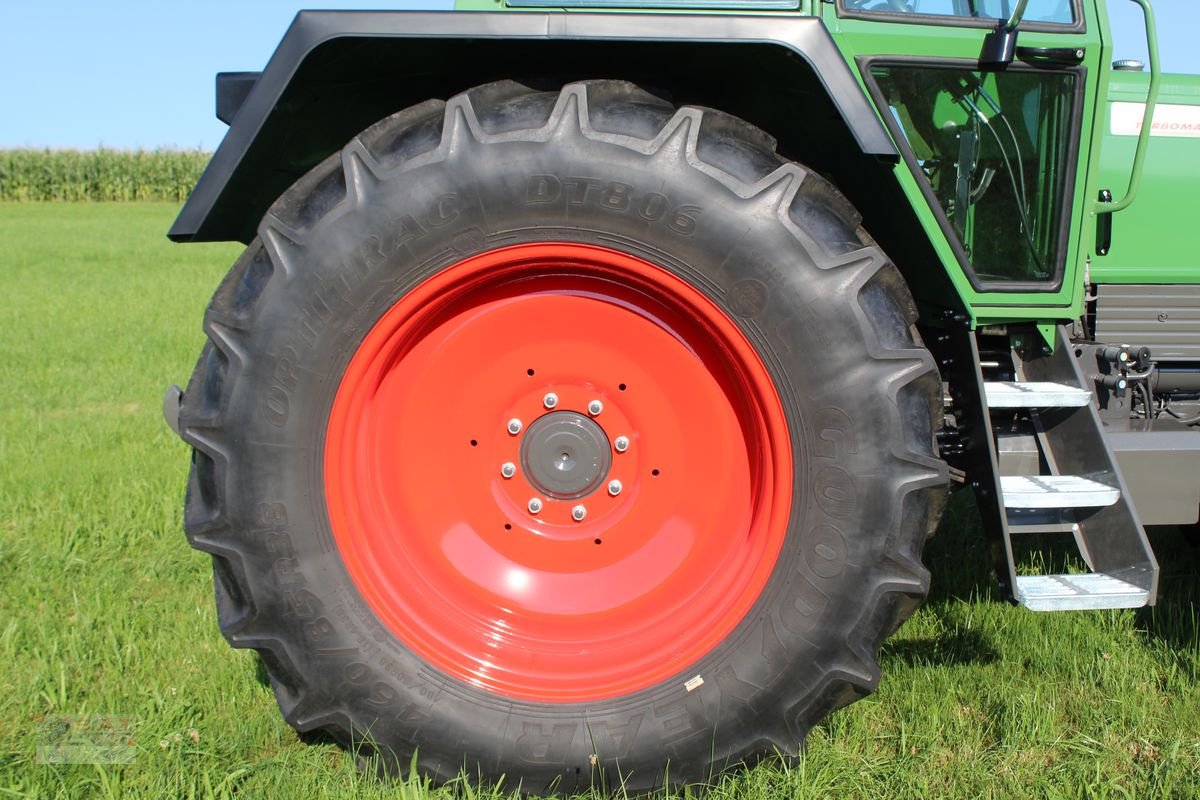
<point x="474" y="443"/>
<point x="596" y="541"/>
<point x="654" y="472"/>
<point x="621" y="386"/>
<point x="530" y="372"/>
<point x="508" y="526"/>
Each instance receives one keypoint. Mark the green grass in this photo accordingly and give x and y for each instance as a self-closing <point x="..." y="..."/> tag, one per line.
<point x="105" y="610"/>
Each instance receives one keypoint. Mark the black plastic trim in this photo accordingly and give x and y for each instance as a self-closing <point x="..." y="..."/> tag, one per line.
<point x="1104" y="225"/>
<point x="807" y="37"/>
<point x="1051" y="57"/>
<point x="1010" y="287"/>
<point x="232" y="90"/>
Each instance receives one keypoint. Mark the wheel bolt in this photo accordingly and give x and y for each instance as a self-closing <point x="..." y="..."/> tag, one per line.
<point x="578" y="513"/>
<point x="535" y="505"/>
<point x="514" y="426"/>
<point x="621" y="444"/>
<point x="614" y="488"/>
<point x="595" y="407"/>
<point x="550" y="400"/>
<point x="508" y="469"/>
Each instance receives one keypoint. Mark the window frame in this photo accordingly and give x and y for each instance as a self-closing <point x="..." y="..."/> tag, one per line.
<point x="947" y="20"/>
<point x="1055" y="283"/>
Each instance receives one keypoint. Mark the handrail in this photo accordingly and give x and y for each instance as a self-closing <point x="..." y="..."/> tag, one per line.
<point x="1139" y="155"/>
<point x="1015" y="19"/>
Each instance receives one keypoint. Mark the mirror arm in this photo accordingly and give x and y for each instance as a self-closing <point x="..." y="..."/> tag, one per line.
<point x="1000" y="45"/>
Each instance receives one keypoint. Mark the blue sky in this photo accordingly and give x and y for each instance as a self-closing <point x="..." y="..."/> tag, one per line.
<point x="139" y="73"/>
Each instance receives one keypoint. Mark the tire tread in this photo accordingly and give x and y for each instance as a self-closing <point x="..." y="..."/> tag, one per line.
<point x="740" y="156"/>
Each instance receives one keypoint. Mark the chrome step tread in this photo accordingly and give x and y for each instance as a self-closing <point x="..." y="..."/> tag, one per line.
<point x="1058" y="527"/>
<point x="1055" y="491"/>
<point x="1034" y="394"/>
<point x="1078" y="592"/>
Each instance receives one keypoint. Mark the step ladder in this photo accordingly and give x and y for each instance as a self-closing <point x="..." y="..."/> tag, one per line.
<point x="1065" y="481"/>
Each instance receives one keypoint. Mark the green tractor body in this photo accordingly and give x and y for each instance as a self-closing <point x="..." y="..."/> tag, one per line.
<point x="596" y="370"/>
<point x="1143" y="252"/>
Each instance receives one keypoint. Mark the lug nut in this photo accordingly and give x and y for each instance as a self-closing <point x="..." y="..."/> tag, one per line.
<point x="535" y="505"/>
<point x="621" y="444"/>
<point x="578" y="513"/>
<point x="614" y="488"/>
<point x="514" y="426"/>
<point x="550" y="400"/>
<point x="508" y="469"/>
<point x="595" y="407"/>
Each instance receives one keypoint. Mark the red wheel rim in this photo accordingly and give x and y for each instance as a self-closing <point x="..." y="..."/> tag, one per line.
<point x="440" y="539"/>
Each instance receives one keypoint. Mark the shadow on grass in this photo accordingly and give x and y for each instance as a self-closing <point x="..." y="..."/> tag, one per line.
<point x="261" y="673"/>
<point x="1176" y="617"/>
<point x="960" y="564"/>
<point x="951" y="648"/>
<point x="959" y="557"/>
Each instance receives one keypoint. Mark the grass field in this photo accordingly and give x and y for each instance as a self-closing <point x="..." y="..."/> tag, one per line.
<point x="105" y="611"/>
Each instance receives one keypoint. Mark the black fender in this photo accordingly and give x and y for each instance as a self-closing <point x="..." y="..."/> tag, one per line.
<point x="337" y="72"/>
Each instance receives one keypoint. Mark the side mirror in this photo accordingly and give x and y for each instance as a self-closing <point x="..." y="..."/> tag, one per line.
<point x="1000" y="45"/>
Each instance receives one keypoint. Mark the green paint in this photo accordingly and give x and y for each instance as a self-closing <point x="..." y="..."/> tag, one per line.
<point x="1139" y="156"/>
<point x="861" y="39"/>
<point x="1150" y="240"/>
<point x="1096" y="159"/>
<point x="1049" y="332"/>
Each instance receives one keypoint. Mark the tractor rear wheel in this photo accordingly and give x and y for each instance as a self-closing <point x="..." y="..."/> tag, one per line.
<point x="563" y="436"/>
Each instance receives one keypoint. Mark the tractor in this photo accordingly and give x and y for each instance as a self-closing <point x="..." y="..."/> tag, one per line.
<point x="596" y="370"/>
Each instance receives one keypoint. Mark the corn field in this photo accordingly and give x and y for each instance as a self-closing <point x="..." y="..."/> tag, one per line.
<point x="99" y="175"/>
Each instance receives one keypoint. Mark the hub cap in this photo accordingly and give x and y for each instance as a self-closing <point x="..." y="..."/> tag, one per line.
<point x="567" y="551"/>
<point x="565" y="455"/>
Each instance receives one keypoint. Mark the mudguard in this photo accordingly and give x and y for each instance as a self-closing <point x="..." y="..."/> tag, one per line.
<point x="336" y="72"/>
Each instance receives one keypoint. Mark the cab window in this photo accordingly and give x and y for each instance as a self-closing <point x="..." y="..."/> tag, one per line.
<point x="995" y="152"/>
<point x="1046" y="11"/>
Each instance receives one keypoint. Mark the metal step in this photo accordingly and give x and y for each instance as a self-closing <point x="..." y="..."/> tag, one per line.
<point x="1015" y="528"/>
<point x="1035" y="394"/>
<point x="1055" y="491"/>
<point x="1078" y="592"/>
<point x="1054" y="427"/>
<point x="1063" y="520"/>
<point x="1048" y="520"/>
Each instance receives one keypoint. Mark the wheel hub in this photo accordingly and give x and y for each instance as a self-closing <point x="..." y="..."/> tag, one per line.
<point x="565" y="455"/>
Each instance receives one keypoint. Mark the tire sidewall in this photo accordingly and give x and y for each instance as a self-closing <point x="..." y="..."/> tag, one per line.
<point x="795" y="303"/>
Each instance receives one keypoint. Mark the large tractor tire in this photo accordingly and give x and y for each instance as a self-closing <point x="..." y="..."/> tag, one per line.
<point x="563" y="436"/>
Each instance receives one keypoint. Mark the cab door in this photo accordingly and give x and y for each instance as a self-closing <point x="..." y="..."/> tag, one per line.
<point x="991" y="156"/>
